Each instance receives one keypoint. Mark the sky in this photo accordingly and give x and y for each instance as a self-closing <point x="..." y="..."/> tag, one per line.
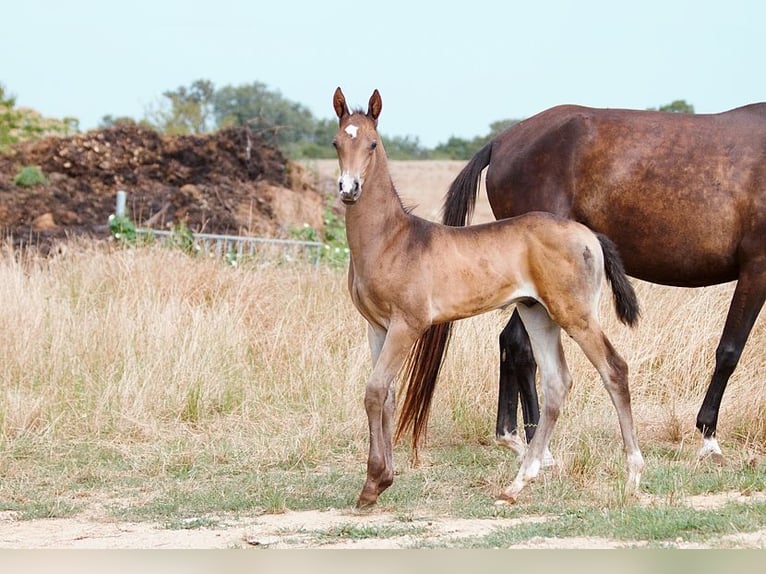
<point x="443" y="68"/>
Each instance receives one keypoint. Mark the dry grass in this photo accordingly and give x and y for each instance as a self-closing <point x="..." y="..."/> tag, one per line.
<point x="150" y="347"/>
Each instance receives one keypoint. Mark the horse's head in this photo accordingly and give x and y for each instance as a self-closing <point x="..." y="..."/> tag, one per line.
<point x="356" y="143"/>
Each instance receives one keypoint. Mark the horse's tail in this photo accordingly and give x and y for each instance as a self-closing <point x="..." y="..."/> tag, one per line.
<point x="625" y="300"/>
<point x="461" y="197"/>
<point x="420" y="372"/>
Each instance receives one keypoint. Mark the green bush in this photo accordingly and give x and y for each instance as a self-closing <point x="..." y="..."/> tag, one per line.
<point x="29" y="176"/>
<point x="122" y="229"/>
<point x="335" y="252"/>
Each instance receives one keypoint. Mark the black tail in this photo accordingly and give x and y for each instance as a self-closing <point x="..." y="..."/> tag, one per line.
<point x="625" y="300"/>
<point x="461" y="197"/>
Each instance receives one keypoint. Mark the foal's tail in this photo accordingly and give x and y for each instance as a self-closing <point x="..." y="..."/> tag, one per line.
<point x="420" y="372"/>
<point x="425" y="359"/>
<point x="461" y="197"/>
<point x="625" y="300"/>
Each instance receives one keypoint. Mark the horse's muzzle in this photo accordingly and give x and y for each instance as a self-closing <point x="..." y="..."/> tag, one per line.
<point x="349" y="188"/>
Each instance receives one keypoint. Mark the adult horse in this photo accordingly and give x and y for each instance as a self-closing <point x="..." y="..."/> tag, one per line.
<point x="407" y="274"/>
<point x="683" y="197"/>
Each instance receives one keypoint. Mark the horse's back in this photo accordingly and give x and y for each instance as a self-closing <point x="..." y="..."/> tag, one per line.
<point x="656" y="183"/>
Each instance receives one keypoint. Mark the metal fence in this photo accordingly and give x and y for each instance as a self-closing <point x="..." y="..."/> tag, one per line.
<point x="238" y="246"/>
<point x="233" y="247"/>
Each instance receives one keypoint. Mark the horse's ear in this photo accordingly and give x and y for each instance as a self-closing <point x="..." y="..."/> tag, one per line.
<point x="375" y="106"/>
<point x="339" y="103"/>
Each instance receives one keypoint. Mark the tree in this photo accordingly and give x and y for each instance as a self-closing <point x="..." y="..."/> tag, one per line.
<point x="276" y="119"/>
<point x="316" y="145"/>
<point x="283" y="123"/>
<point x="498" y="127"/>
<point x="24" y="124"/>
<point x="461" y="148"/>
<point x="109" y="121"/>
<point x="404" y="147"/>
<point x="187" y="110"/>
<point x="8" y="117"/>
<point x="676" y="106"/>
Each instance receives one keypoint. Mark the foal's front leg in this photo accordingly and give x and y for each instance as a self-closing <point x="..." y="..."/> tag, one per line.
<point x="380" y="402"/>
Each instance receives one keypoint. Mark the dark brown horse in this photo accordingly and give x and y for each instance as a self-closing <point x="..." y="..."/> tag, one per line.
<point x="683" y="197"/>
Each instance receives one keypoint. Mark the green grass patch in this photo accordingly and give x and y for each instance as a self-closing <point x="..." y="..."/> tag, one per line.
<point x="29" y="176"/>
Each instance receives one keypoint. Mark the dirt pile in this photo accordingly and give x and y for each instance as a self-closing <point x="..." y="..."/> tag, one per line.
<point x="227" y="182"/>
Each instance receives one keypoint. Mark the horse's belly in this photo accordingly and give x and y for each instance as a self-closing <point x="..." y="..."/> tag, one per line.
<point x="677" y="265"/>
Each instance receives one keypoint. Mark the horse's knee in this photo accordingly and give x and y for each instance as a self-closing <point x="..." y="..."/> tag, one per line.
<point x="726" y="359"/>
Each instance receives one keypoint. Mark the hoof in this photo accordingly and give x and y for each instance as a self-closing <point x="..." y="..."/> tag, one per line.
<point x="505" y="500"/>
<point x="367" y="499"/>
<point x="711" y="450"/>
<point x="717" y="458"/>
<point x="366" y="502"/>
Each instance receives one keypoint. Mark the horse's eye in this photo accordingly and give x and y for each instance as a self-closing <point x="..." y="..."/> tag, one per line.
<point x="373" y="145"/>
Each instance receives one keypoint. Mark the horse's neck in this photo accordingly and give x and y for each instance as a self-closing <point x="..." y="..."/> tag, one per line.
<point x="378" y="215"/>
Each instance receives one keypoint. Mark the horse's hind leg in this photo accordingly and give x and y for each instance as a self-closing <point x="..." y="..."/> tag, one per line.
<point x="745" y="306"/>
<point x="614" y="374"/>
<point x="517" y="379"/>
<point x="544" y="336"/>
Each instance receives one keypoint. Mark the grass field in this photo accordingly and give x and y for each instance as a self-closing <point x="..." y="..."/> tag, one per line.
<point x="151" y="394"/>
<point x="145" y="385"/>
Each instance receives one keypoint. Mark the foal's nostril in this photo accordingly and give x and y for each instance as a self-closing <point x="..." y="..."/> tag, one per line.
<point x="356" y="186"/>
<point x="340" y="185"/>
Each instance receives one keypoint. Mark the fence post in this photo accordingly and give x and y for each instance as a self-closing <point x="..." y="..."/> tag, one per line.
<point x="119" y="208"/>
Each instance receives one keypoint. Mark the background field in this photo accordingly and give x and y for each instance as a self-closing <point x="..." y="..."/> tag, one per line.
<point x="153" y="399"/>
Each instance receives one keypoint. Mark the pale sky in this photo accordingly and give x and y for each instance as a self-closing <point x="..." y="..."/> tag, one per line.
<point x="443" y="68"/>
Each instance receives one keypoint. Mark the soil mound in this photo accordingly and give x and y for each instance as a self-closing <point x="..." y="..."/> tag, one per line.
<point x="229" y="182"/>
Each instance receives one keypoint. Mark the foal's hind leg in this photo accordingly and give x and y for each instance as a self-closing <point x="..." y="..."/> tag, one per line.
<point x="544" y="335"/>
<point x="517" y="380"/>
<point x="614" y="374"/>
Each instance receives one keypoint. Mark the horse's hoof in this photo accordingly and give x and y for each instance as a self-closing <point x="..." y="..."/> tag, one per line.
<point x="712" y="451"/>
<point x="366" y="501"/>
<point x="718" y="458"/>
<point x="505" y="500"/>
<point x="365" y="504"/>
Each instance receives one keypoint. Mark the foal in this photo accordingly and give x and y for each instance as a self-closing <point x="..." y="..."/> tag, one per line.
<point x="407" y="274"/>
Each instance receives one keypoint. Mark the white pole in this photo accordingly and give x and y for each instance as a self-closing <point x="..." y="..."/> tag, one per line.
<point x="119" y="209"/>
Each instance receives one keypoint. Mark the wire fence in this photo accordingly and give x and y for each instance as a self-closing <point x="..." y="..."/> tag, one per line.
<point x="236" y="247"/>
<point x="231" y="247"/>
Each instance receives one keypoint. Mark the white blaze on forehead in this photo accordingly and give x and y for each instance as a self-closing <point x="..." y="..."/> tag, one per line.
<point x="351" y="130"/>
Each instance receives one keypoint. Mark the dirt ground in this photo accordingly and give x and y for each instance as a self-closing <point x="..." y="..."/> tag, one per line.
<point x="314" y="529"/>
